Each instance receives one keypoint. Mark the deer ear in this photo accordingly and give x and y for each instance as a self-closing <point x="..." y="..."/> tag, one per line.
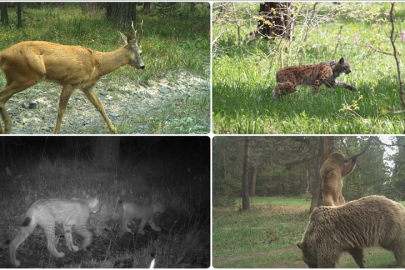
<point x="341" y="61"/>
<point x="131" y="39"/>
<point x="123" y="38"/>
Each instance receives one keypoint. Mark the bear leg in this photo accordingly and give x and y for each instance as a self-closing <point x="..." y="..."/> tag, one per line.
<point x="358" y="256"/>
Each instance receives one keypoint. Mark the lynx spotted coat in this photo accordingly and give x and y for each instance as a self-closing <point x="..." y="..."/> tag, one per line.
<point x="48" y="212"/>
<point x="312" y="75"/>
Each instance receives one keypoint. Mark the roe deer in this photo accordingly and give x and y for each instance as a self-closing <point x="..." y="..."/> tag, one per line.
<point x="74" y="67"/>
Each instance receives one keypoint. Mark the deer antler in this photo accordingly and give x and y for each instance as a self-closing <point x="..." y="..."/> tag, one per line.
<point x="140" y="36"/>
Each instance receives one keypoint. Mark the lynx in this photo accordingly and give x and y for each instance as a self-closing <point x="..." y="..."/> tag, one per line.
<point x="313" y="75"/>
<point x="139" y="211"/>
<point x="48" y="212"/>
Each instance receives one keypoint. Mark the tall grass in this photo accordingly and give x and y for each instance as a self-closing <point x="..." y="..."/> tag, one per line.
<point x="243" y="86"/>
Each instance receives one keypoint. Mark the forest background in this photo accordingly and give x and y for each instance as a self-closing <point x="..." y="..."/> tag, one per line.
<point x="281" y="185"/>
<point x="281" y="178"/>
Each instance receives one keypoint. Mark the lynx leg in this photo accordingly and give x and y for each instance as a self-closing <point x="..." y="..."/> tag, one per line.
<point x="49" y="230"/>
<point x="153" y="226"/>
<point x="315" y="86"/>
<point x="124" y="227"/>
<point x="86" y="234"/>
<point x="68" y="237"/>
<point x="284" y="88"/>
<point x="358" y="256"/>
<point x="141" y="226"/>
<point x="346" y="85"/>
<point x="22" y="234"/>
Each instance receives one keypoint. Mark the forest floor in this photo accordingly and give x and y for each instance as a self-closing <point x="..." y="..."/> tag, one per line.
<point x="265" y="236"/>
<point x="176" y="104"/>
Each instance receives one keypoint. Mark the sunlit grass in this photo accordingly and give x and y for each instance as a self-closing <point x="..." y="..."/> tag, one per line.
<point x="242" y="88"/>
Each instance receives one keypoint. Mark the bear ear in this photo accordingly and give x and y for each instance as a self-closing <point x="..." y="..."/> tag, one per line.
<point x="341" y="61"/>
<point x="299" y="244"/>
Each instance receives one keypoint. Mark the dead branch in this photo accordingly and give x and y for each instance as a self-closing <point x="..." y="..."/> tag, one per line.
<point x="401" y="92"/>
<point x="362" y="152"/>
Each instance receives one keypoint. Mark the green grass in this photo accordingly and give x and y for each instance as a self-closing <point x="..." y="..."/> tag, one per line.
<point x="242" y="88"/>
<point x="171" y="45"/>
<point x="265" y="236"/>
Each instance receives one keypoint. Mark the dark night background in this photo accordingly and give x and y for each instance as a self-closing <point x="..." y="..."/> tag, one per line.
<point x="172" y="170"/>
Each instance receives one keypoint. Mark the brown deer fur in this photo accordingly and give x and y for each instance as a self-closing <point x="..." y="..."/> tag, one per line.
<point x="74" y="67"/>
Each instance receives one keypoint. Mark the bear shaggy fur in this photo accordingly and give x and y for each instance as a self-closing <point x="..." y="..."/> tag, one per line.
<point x="367" y="222"/>
<point x="332" y="172"/>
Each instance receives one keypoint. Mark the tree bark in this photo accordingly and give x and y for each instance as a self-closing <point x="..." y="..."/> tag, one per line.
<point x="4" y="13"/>
<point x="253" y="187"/>
<point x="278" y="18"/>
<point x="325" y="149"/>
<point x="245" y="191"/>
<point x="146" y="8"/>
<point x="19" y="23"/>
<point x="121" y="13"/>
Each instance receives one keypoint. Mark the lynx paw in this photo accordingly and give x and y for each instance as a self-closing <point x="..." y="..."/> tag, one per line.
<point x="141" y="232"/>
<point x="16" y="263"/>
<point x="60" y="255"/>
<point x="75" y="248"/>
<point x="158" y="229"/>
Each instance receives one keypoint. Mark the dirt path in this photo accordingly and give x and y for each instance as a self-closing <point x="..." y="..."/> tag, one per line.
<point x="135" y="108"/>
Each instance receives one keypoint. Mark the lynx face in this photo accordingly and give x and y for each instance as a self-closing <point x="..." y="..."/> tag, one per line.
<point x="48" y="212"/>
<point x="145" y="212"/>
<point x="312" y="75"/>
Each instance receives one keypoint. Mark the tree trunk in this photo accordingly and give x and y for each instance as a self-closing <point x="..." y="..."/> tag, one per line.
<point x="89" y="8"/>
<point x="106" y="151"/>
<point x="253" y="187"/>
<point x="325" y="149"/>
<point x="121" y="13"/>
<point x="245" y="191"/>
<point x="146" y="8"/>
<point x="4" y="13"/>
<point x="19" y="23"/>
<point x="278" y="18"/>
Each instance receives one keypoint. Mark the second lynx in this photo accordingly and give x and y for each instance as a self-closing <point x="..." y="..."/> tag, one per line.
<point x="145" y="212"/>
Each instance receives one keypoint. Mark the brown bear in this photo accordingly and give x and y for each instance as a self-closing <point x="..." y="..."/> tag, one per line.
<point x="366" y="222"/>
<point x="332" y="172"/>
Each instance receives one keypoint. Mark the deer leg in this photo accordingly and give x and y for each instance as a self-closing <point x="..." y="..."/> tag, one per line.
<point x="92" y="96"/>
<point x="5" y="94"/>
<point x="63" y="101"/>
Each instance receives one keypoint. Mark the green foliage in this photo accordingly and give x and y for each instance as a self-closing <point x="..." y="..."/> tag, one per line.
<point x="224" y="193"/>
<point x="243" y="84"/>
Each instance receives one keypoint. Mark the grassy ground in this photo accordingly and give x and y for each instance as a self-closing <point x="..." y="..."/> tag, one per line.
<point x="242" y="87"/>
<point x="183" y="241"/>
<point x="265" y="236"/>
<point x="169" y="45"/>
